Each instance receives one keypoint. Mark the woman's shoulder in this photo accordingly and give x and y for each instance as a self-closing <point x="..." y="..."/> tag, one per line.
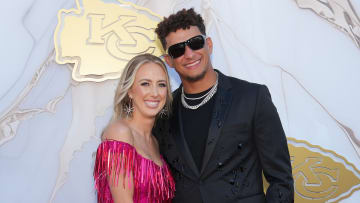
<point x="118" y="131"/>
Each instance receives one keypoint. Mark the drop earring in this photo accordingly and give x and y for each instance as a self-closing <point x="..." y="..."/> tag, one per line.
<point x="128" y="108"/>
<point x="163" y="112"/>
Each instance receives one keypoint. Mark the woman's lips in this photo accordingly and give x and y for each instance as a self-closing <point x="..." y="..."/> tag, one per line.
<point x="152" y="104"/>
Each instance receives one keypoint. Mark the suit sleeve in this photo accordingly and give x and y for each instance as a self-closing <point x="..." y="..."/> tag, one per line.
<point x="272" y="149"/>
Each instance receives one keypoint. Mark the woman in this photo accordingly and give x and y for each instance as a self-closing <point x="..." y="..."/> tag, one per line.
<point x="128" y="165"/>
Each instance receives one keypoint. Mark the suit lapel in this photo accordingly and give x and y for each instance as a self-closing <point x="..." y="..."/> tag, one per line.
<point x="178" y="136"/>
<point x="221" y="108"/>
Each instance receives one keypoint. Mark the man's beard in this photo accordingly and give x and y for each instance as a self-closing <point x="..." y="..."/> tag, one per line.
<point x="195" y="78"/>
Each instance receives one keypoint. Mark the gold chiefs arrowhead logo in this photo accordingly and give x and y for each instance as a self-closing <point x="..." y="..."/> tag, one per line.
<point x="101" y="36"/>
<point x="320" y="175"/>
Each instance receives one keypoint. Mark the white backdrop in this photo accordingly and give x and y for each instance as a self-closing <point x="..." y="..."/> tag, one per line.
<point x="50" y="124"/>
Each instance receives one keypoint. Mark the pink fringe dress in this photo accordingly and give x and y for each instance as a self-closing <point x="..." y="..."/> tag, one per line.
<point x="152" y="183"/>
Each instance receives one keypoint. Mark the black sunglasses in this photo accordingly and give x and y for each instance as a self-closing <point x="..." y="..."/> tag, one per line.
<point x="193" y="43"/>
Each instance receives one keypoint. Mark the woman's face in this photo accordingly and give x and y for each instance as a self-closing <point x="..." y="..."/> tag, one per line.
<point x="149" y="90"/>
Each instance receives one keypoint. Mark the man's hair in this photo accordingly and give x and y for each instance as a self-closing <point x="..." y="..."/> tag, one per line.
<point x="183" y="19"/>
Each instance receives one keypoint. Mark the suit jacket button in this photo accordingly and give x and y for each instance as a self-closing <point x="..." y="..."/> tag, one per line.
<point x="175" y="161"/>
<point x="219" y="124"/>
<point x="232" y="181"/>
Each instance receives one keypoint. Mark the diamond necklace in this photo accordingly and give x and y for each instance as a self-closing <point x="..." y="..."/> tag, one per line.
<point x="194" y="98"/>
<point x="207" y="96"/>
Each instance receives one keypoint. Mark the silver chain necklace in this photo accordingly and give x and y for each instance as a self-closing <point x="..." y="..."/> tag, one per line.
<point x="207" y="96"/>
<point x="194" y="98"/>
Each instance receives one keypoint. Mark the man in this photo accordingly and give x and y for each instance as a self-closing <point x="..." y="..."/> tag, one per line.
<point x="222" y="132"/>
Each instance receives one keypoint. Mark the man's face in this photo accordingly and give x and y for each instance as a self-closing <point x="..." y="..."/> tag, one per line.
<point x="193" y="64"/>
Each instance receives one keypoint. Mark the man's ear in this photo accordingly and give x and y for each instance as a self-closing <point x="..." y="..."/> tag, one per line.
<point x="209" y="44"/>
<point x="169" y="60"/>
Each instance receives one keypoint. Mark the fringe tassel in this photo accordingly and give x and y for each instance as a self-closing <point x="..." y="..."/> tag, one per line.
<point x="119" y="158"/>
<point x="112" y="157"/>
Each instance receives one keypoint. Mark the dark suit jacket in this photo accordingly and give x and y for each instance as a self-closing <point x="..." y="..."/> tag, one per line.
<point x="245" y="139"/>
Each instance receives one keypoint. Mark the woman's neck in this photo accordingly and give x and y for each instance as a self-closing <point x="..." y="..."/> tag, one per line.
<point x="141" y="125"/>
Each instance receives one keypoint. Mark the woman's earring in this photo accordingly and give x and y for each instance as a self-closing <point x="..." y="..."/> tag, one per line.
<point x="128" y="108"/>
<point x="163" y="112"/>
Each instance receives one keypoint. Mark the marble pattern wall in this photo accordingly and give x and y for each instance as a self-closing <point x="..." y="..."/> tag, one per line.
<point x="306" y="51"/>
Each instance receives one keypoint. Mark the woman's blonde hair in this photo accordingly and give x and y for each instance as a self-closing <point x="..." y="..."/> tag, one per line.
<point x="127" y="79"/>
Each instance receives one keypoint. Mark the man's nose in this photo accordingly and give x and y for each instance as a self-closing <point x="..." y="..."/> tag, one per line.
<point x="188" y="52"/>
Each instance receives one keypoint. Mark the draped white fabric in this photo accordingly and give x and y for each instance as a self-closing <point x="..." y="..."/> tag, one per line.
<point x="50" y="125"/>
